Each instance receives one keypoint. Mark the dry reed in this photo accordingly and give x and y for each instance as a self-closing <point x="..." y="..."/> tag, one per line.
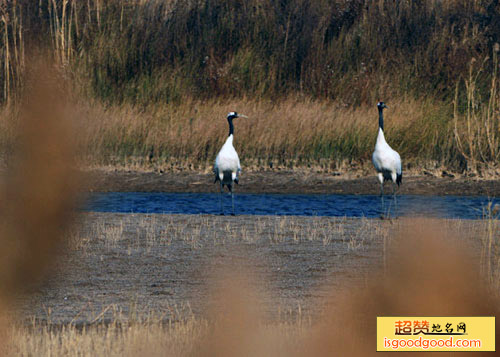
<point x="477" y="129"/>
<point x="288" y="133"/>
<point x="419" y="280"/>
<point x="155" y="60"/>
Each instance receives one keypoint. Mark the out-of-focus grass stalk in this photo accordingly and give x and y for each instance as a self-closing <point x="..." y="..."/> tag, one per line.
<point x="490" y="253"/>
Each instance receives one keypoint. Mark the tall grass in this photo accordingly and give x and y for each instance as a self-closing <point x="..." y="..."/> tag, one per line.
<point x="156" y="57"/>
<point x="288" y="133"/>
<point x="162" y="50"/>
<point x="477" y="129"/>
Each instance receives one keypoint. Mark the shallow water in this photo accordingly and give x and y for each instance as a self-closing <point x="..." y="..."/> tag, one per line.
<point x="370" y="206"/>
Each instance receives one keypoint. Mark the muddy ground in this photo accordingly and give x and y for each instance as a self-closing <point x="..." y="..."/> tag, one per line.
<point x="287" y="182"/>
<point x="123" y="267"/>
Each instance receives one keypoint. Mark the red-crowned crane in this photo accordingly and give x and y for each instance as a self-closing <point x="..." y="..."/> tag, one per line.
<point x="227" y="163"/>
<point x="387" y="161"/>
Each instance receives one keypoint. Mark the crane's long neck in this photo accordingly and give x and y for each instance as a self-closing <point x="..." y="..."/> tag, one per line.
<point x="381" y="118"/>
<point x="231" y="127"/>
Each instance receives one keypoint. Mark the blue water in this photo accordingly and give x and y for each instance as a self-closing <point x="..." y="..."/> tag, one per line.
<point x="465" y="207"/>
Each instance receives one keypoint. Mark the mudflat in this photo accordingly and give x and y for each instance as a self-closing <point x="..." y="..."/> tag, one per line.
<point x="121" y="267"/>
<point x="286" y="182"/>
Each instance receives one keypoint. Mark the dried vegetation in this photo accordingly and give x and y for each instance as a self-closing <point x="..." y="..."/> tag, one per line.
<point x="155" y="78"/>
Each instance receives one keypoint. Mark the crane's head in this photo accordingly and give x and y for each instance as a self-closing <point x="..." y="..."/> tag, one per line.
<point x="233" y="115"/>
<point x="230" y="117"/>
<point x="381" y="106"/>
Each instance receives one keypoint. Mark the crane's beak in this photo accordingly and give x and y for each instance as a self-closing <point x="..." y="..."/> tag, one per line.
<point x="242" y="116"/>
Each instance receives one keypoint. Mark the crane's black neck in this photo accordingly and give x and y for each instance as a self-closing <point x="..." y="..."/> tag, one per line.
<point x="381" y="118"/>
<point x="231" y="126"/>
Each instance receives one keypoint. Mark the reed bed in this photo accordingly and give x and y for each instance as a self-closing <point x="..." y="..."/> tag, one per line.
<point x="286" y="134"/>
<point x="155" y="78"/>
<point x="193" y="336"/>
<point x="162" y="50"/>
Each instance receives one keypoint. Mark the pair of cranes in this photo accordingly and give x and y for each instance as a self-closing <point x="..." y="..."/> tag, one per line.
<point x="387" y="161"/>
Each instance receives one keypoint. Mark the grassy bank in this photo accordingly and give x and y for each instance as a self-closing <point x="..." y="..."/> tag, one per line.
<point x="289" y="133"/>
<point x="154" y="79"/>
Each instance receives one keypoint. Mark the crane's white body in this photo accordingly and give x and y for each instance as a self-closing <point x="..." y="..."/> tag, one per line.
<point x="227" y="163"/>
<point x="387" y="161"/>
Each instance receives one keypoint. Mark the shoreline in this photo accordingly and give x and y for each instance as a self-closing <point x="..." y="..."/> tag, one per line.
<point x="286" y="182"/>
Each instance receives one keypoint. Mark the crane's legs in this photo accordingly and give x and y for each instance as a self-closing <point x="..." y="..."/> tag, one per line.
<point x="232" y="197"/>
<point x="394" y="194"/>
<point x="382" y="199"/>
<point x="221" y="194"/>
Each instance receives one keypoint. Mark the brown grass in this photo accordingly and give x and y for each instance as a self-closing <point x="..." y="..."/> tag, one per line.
<point x="162" y="51"/>
<point x="159" y="74"/>
<point x="146" y="233"/>
<point x="418" y="280"/>
<point x="288" y="133"/>
<point x="476" y="129"/>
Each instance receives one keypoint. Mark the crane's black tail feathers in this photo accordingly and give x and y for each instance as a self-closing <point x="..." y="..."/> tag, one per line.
<point x="399" y="179"/>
